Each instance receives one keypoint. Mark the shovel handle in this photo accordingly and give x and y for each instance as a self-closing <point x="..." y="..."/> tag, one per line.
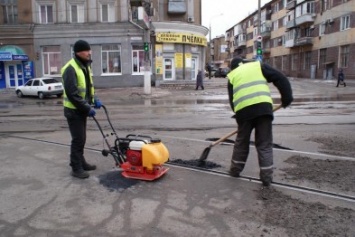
<point x="235" y="131"/>
<point x="223" y="138"/>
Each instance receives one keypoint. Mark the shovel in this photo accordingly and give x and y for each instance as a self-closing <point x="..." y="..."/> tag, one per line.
<point x="207" y="150"/>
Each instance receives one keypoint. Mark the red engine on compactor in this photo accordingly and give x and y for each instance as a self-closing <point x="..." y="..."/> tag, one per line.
<point x="140" y="157"/>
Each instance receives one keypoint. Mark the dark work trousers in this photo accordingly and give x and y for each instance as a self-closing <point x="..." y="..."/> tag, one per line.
<point x="77" y="128"/>
<point x="263" y="144"/>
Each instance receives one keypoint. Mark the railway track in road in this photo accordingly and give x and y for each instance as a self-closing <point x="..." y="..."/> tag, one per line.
<point x="297" y="188"/>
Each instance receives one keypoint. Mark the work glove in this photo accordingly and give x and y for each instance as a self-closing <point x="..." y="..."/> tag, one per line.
<point x="92" y="113"/>
<point x="97" y="104"/>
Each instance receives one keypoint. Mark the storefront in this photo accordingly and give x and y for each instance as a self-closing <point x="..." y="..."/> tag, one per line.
<point x="15" y="67"/>
<point x="179" y="51"/>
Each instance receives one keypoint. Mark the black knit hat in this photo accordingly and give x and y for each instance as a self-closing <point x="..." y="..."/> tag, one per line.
<point x="81" y="45"/>
<point x="236" y="62"/>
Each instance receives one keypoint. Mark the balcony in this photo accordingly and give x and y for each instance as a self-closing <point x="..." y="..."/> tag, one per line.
<point x="304" y="41"/>
<point x="291" y="5"/>
<point x="290" y="43"/>
<point x="265" y="29"/>
<point x="305" y="19"/>
<point x="241" y="44"/>
<point x="290" y="24"/>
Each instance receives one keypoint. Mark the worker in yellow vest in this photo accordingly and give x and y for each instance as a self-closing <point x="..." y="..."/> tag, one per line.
<point x="79" y="97"/>
<point x="250" y="100"/>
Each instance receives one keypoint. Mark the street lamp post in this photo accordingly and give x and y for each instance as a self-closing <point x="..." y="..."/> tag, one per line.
<point x="210" y="35"/>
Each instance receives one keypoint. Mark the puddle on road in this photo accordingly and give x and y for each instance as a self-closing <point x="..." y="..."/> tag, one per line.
<point x="9" y="105"/>
<point x="218" y="100"/>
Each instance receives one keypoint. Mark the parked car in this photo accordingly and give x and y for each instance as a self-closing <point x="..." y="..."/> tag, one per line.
<point x="222" y="72"/>
<point x="40" y="87"/>
<point x="213" y="70"/>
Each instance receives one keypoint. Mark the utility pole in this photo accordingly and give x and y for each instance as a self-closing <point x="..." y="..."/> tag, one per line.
<point x="259" y="16"/>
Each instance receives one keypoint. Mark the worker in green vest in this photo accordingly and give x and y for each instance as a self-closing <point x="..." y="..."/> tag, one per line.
<point x="79" y="97"/>
<point x="250" y="100"/>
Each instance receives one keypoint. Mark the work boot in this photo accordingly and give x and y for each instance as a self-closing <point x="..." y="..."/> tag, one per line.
<point x="234" y="172"/>
<point x="88" y="167"/>
<point x="81" y="174"/>
<point x="266" y="181"/>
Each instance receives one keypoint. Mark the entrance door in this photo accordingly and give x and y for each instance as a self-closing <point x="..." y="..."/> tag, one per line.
<point x="14" y="75"/>
<point x="169" y="69"/>
<point x="194" y="68"/>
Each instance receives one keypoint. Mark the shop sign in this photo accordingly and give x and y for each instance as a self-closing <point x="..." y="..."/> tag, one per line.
<point x="178" y="60"/>
<point x="5" y="56"/>
<point x="20" y="57"/>
<point x="182" y="38"/>
<point x="159" y="58"/>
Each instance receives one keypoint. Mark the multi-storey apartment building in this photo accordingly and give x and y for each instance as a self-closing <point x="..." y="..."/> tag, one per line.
<point x="218" y="52"/>
<point x="128" y="38"/>
<point x="302" y="38"/>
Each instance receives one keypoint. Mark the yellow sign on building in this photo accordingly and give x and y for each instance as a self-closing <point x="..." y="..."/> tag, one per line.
<point x="178" y="60"/>
<point x="182" y="38"/>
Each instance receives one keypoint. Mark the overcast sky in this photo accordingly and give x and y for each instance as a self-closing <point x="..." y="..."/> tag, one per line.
<point x="233" y="12"/>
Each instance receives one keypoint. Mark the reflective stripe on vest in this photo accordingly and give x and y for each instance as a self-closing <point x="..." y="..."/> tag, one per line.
<point x="81" y="83"/>
<point x="249" y="86"/>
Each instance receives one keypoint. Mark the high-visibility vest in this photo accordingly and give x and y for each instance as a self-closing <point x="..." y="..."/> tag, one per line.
<point x="81" y="83"/>
<point x="249" y="86"/>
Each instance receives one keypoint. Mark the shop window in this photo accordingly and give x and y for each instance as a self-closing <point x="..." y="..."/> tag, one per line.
<point x="9" y="9"/>
<point x="52" y="61"/>
<point x="46" y="14"/>
<point x="111" y="59"/>
<point x="137" y="59"/>
<point x="176" y="7"/>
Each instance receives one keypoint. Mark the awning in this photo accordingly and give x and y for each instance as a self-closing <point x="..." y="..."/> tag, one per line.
<point x="12" y="53"/>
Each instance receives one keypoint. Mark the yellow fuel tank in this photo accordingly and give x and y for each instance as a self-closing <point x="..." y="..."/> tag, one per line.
<point x="154" y="154"/>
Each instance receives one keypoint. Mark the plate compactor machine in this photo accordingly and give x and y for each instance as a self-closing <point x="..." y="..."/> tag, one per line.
<point x="140" y="157"/>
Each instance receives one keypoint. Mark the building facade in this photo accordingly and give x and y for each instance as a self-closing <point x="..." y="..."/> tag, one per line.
<point x="128" y="39"/>
<point x="302" y="38"/>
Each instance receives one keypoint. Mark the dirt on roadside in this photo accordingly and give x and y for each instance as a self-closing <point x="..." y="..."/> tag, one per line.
<point x="335" y="145"/>
<point x="299" y="218"/>
<point x="338" y="174"/>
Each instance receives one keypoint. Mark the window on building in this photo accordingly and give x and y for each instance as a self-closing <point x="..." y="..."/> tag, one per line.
<point x="308" y="7"/>
<point x="107" y="12"/>
<point x="46" y="14"/>
<point x="284" y="63"/>
<point x="294" y="58"/>
<point x="9" y="9"/>
<point x="111" y="59"/>
<point x="52" y="60"/>
<point x="276" y="7"/>
<point x="307" y="60"/>
<point x="176" y="6"/>
<point x="321" y="29"/>
<point x="325" y="5"/>
<point x="322" y="56"/>
<point x="345" y="23"/>
<point x="307" y="32"/>
<point x="77" y="13"/>
<point x="137" y="59"/>
<point x="275" y="25"/>
<point x="344" y="56"/>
